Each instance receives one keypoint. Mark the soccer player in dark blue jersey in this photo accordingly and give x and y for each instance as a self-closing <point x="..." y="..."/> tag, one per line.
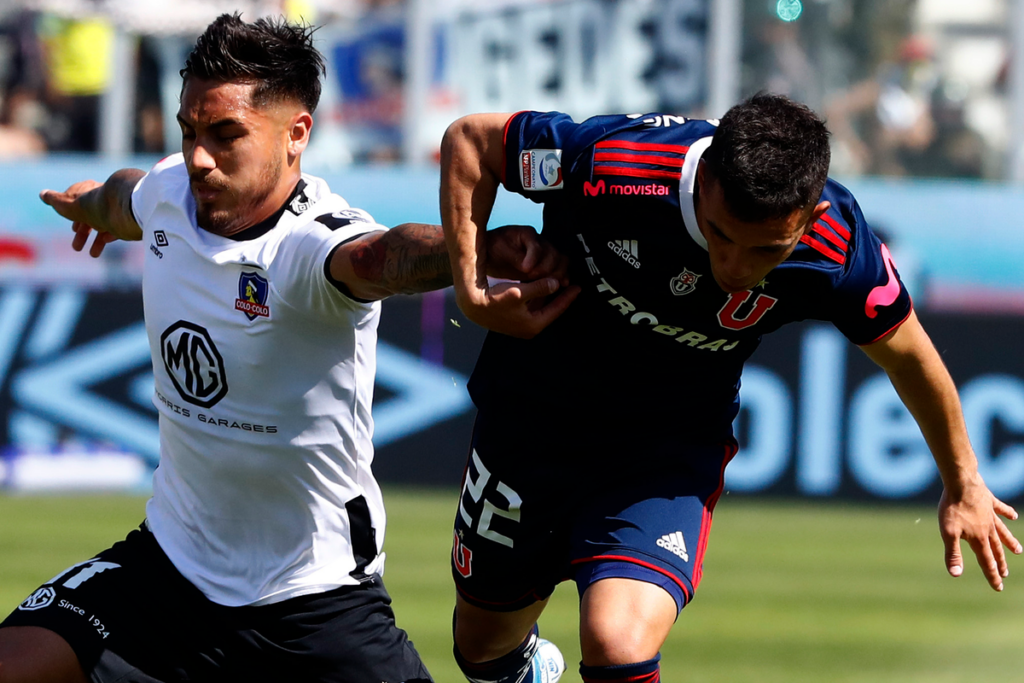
<point x="604" y="426"/>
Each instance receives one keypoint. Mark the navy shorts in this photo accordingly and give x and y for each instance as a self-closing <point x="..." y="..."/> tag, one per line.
<point x="537" y="510"/>
<point x="130" y="617"/>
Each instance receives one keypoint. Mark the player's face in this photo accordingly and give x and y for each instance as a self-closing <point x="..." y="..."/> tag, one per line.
<point x="242" y="160"/>
<point x="743" y="253"/>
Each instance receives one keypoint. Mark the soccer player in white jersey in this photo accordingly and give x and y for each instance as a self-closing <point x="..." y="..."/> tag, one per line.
<point x="260" y="558"/>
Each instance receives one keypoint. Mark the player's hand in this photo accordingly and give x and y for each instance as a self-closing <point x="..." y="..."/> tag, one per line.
<point x="69" y="205"/>
<point x="519" y="309"/>
<point x="517" y="252"/>
<point x="974" y="516"/>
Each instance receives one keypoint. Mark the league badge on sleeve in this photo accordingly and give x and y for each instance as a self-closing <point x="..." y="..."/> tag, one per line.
<point x="541" y="169"/>
<point x="252" y="296"/>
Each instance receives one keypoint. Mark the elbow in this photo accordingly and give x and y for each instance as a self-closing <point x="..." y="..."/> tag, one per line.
<point x="462" y="134"/>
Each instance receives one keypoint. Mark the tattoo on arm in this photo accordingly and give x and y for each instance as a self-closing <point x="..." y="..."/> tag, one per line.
<point x="407" y="259"/>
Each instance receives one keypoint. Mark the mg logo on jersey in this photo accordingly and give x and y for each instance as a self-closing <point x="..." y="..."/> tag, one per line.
<point x="252" y="296"/>
<point x="194" y="364"/>
<point x="727" y="316"/>
<point x="626" y="249"/>
<point x="41" y="598"/>
<point x="684" y="283"/>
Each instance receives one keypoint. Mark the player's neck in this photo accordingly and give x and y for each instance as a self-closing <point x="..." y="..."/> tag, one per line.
<point x="281" y="193"/>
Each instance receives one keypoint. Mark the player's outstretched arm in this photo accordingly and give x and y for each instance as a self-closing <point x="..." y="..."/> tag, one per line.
<point x="413" y="257"/>
<point x="472" y="154"/>
<point x="104" y="207"/>
<point x="967" y="511"/>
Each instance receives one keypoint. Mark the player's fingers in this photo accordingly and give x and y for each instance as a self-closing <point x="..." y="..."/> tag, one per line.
<point x="557" y="306"/>
<point x="101" y="241"/>
<point x="1003" y="509"/>
<point x="530" y="249"/>
<point x="550" y="263"/>
<point x="1008" y="538"/>
<point x="987" y="562"/>
<point x="60" y="202"/>
<point x="954" y="558"/>
<point x="996" y="546"/>
<point x="81" y="235"/>
<point x="536" y="289"/>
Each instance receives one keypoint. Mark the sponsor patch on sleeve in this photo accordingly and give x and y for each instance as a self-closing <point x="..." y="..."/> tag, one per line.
<point x="541" y="169"/>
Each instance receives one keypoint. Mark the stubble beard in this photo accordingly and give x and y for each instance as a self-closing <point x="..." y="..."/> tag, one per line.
<point x="236" y="218"/>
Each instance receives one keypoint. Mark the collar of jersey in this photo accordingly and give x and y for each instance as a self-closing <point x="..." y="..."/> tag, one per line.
<point x="267" y="224"/>
<point x="687" y="182"/>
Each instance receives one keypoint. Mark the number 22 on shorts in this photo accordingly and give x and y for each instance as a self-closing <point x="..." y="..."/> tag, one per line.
<point x="475" y="490"/>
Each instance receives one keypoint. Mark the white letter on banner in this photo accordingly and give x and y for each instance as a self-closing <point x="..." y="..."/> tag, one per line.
<point x="985" y="400"/>
<point x="822" y="382"/>
<point x="888" y="455"/>
<point x="763" y="457"/>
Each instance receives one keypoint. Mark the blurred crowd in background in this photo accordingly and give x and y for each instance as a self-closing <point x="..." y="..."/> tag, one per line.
<point x="909" y="87"/>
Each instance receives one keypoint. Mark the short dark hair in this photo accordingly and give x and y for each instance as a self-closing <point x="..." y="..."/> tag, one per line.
<point x="277" y="56"/>
<point x="770" y="156"/>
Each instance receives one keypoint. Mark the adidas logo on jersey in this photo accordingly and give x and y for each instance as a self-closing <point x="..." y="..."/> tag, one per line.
<point x="675" y="544"/>
<point x="627" y="249"/>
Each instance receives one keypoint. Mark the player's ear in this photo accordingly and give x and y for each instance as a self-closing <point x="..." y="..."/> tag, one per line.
<point x="298" y="133"/>
<point x="820" y="210"/>
<point x="816" y="214"/>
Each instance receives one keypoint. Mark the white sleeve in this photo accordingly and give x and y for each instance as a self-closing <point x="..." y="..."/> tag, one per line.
<point x="152" y="187"/>
<point x="303" y="277"/>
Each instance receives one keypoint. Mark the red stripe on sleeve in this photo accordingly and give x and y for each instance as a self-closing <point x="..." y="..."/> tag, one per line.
<point x="827" y="251"/>
<point x="641" y="146"/>
<point x="821" y="230"/>
<point x="636" y="172"/>
<point x="671" y="162"/>
<point x="837" y="226"/>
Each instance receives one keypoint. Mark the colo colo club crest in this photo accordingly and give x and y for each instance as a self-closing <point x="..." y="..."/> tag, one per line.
<point x="252" y="296"/>
<point x="684" y="283"/>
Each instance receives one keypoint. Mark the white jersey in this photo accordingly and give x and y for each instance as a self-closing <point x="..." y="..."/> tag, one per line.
<point x="264" y="380"/>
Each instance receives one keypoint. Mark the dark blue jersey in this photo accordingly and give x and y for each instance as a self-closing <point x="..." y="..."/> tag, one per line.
<point x="653" y="345"/>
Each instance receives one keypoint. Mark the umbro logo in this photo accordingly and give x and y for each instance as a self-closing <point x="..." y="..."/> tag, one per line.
<point x="675" y="544"/>
<point x="160" y="237"/>
<point x="627" y="249"/>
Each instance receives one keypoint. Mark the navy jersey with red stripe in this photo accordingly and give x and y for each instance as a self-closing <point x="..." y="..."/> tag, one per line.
<point x="653" y="348"/>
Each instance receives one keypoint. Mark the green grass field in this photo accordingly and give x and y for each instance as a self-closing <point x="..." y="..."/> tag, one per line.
<point x="792" y="592"/>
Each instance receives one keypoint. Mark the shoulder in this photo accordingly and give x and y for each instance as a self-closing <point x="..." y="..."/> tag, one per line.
<point x="325" y="212"/>
<point x="327" y="222"/>
<point x="166" y="183"/>
<point x="170" y="169"/>
<point x="835" y="238"/>
<point x="669" y="130"/>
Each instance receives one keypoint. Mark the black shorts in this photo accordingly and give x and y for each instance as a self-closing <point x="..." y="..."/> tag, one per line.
<point x="537" y="509"/>
<point x="131" y="617"/>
